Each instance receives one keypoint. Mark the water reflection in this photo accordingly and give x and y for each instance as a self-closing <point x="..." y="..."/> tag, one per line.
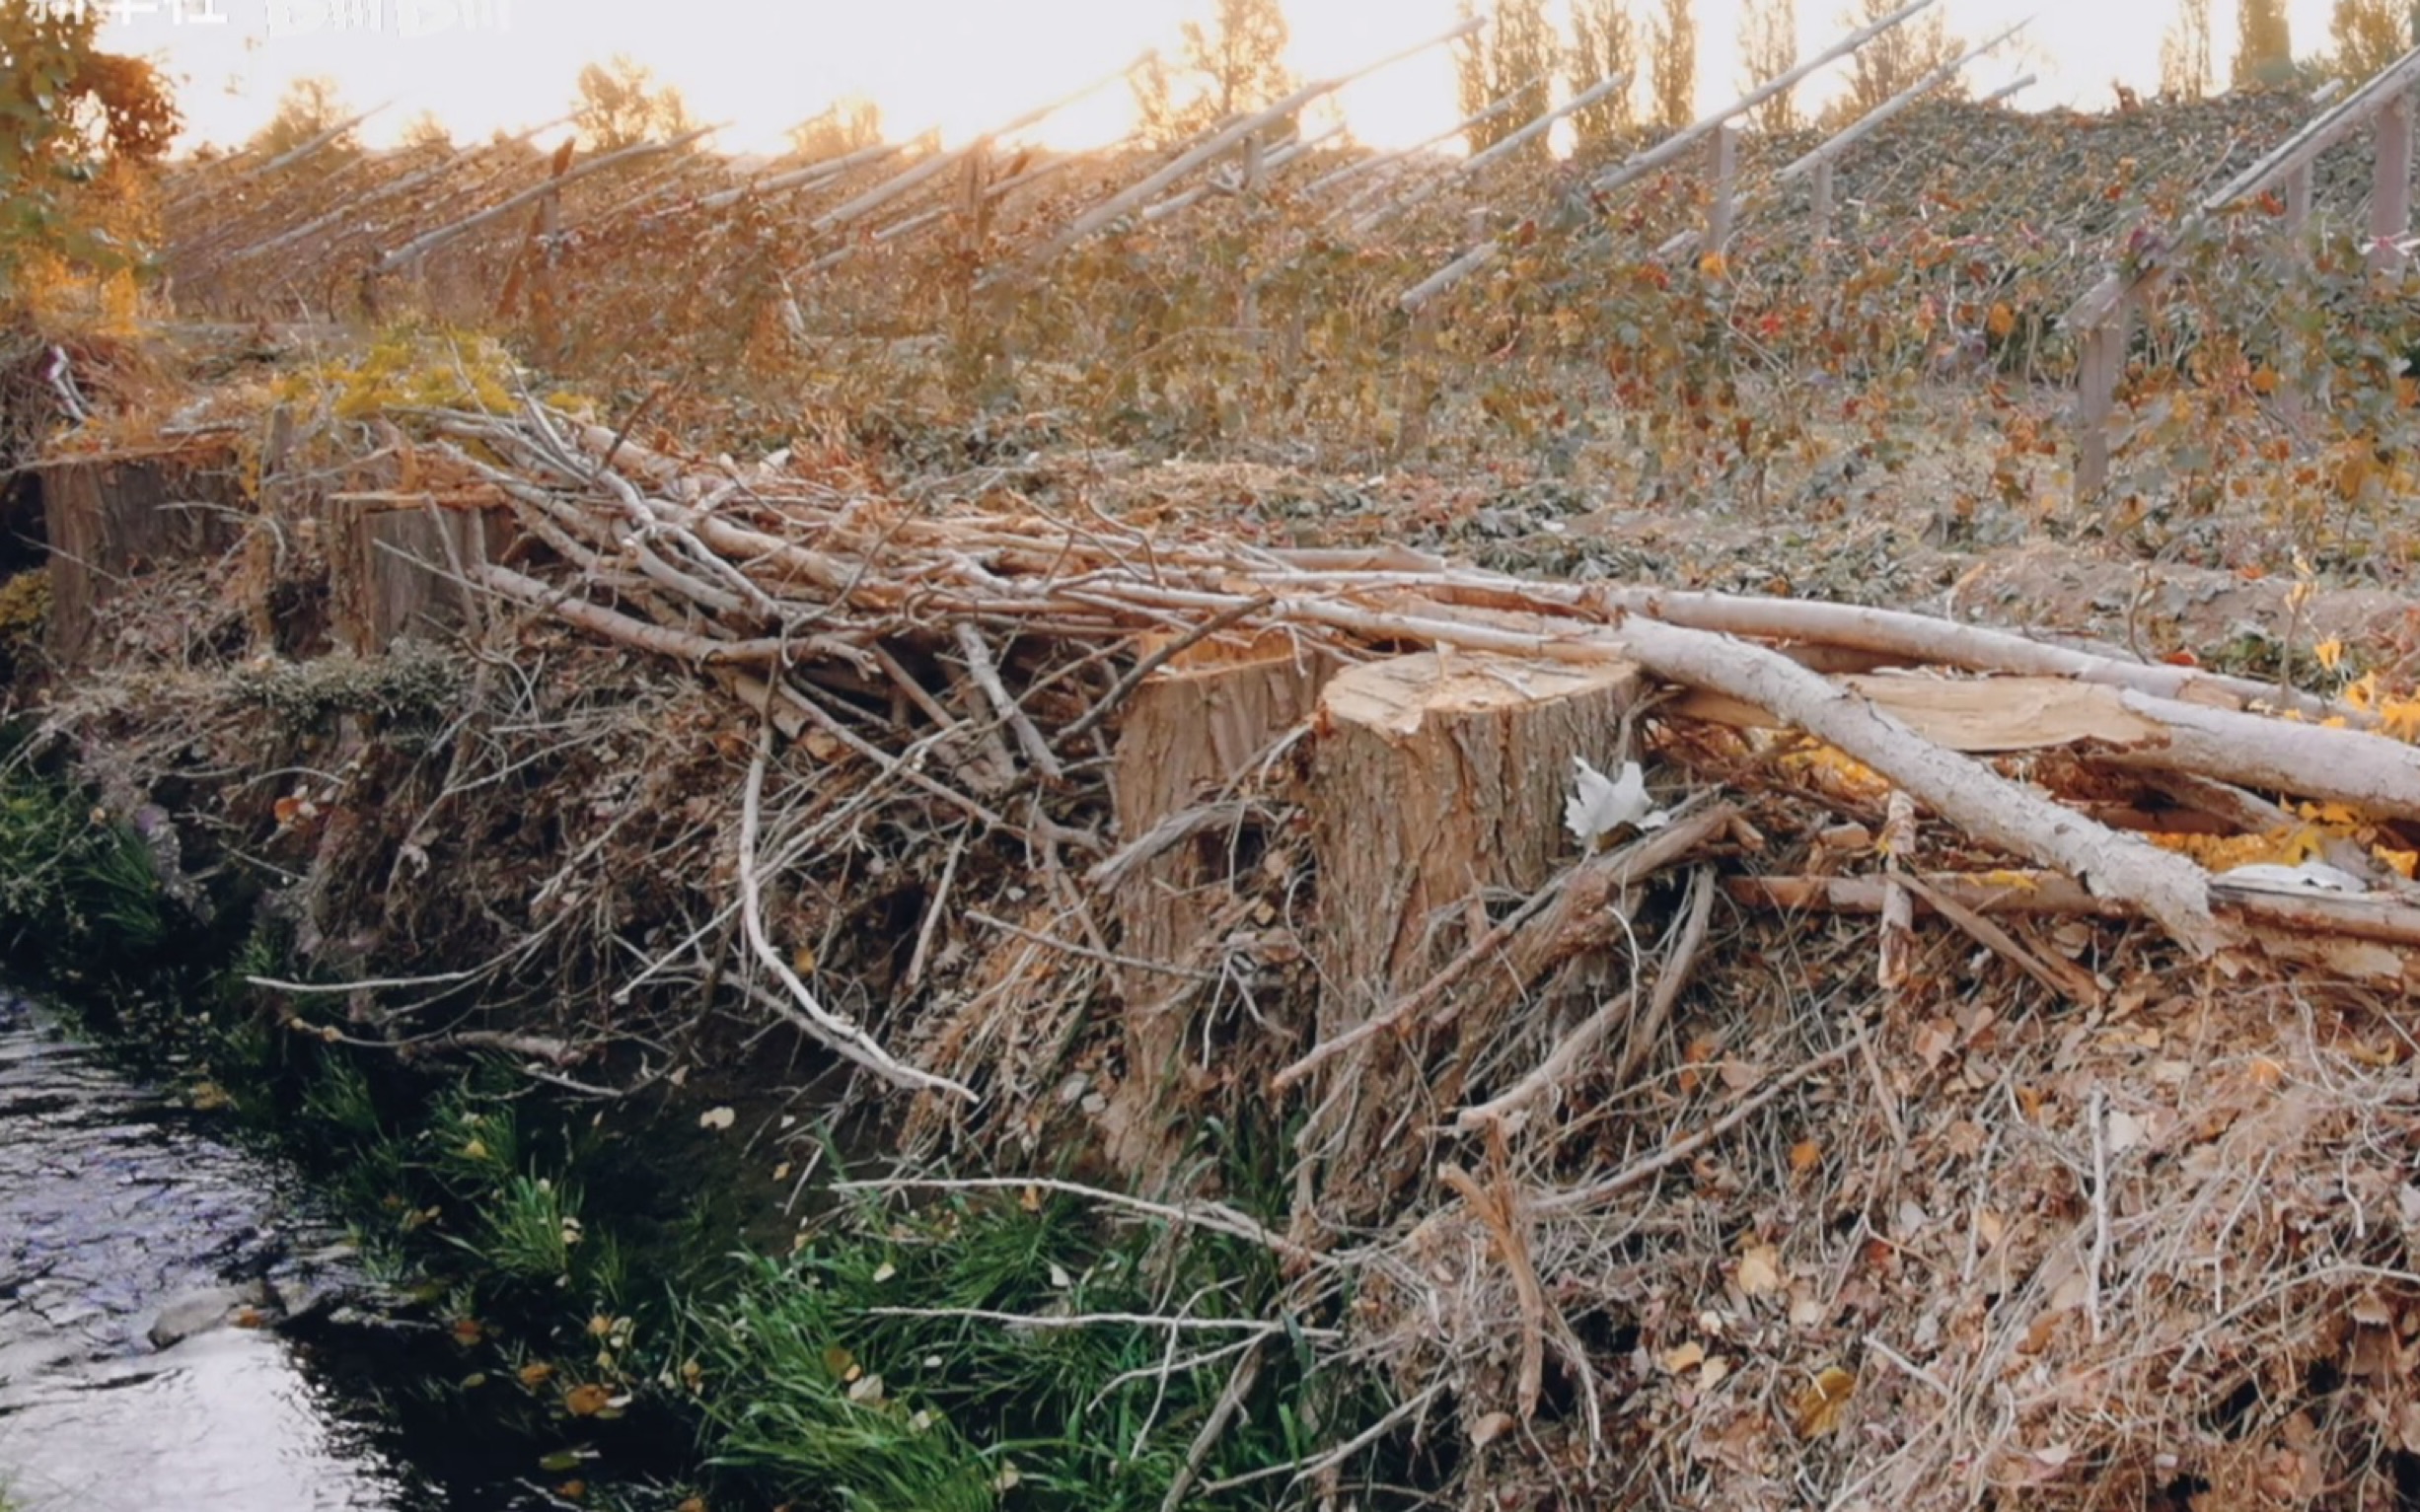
<point x="112" y="1208"/>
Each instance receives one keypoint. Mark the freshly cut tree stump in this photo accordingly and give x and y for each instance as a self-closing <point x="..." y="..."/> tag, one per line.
<point x="1433" y="785"/>
<point x="108" y="520"/>
<point x="1188" y="732"/>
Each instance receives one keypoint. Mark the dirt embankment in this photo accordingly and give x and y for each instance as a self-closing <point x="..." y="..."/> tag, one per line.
<point x="1143" y="836"/>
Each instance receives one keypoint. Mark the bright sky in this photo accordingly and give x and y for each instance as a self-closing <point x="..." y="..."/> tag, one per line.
<point x="963" y="65"/>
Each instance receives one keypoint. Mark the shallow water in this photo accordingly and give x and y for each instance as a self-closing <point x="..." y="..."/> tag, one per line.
<point x="113" y="1205"/>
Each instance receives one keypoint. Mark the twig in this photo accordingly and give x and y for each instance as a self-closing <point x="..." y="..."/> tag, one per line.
<point x="1552" y="1073"/>
<point x="850" y="1041"/>
<point x="1579" y="1198"/>
<point x="1123" y="688"/>
<point x="1214" y="1216"/>
<point x="1497" y="1205"/>
<point x="1622" y="868"/>
<point x="1341" y="1453"/>
<point x="932" y="917"/>
<point x="1106" y="958"/>
<point x="2064" y="979"/>
<point x="987" y="678"/>
<point x="1230" y="1400"/>
<point x="2101" y="1211"/>
<point x="1679" y="966"/>
<point x="1258" y="1326"/>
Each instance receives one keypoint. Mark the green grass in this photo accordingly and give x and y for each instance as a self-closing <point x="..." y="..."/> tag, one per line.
<point x="811" y="1386"/>
<point x="77" y="889"/>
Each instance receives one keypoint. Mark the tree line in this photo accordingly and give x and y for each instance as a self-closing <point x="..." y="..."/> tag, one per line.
<point x="2363" y="37"/>
<point x="1231" y="60"/>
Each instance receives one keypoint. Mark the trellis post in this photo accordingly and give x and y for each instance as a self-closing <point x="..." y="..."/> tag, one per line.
<point x="1723" y="168"/>
<point x="2099" y="364"/>
<point x="2391" y="189"/>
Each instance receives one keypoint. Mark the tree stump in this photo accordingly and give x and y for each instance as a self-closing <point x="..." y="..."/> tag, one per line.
<point x="109" y="520"/>
<point x="1186" y="733"/>
<point x="395" y="562"/>
<point x="1437" y="784"/>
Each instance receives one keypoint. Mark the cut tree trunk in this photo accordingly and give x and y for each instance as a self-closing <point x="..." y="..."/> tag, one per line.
<point x="1438" y="781"/>
<point x="1189" y="733"/>
<point x="112" y="519"/>
<point x="401" y="564"/>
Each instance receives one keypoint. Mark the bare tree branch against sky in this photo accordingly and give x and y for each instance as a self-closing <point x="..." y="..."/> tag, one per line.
<point x="963" y="65"/>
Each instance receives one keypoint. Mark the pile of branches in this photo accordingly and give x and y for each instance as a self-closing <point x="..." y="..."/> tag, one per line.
<point x="2084" y="1193"/>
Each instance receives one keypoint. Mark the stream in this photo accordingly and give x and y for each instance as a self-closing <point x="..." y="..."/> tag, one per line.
<point x="152" y="1282"/>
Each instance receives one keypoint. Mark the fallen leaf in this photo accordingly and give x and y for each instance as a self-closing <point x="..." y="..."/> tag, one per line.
<point x="1819" y="1405"/>
<point x="1600" y="805"/>
<point x="1804" y="1156"/>
<point x="586" y="1399"/>
<point x="2124" y="1131"/>
<point x="1687" y="1357"/>
<point x="717" y="1118"/>
<point x="1488" y="1430"/>
<point x="1760" y="1270"/>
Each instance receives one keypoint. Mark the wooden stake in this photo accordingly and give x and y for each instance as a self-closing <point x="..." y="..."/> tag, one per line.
<point x="2390" y="187"/>
<point x="1723" y="168"/>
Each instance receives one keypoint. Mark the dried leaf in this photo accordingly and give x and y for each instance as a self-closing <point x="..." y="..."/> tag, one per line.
<point x="1760" y="1270"/>
<point x="1819" y="1405"/>
<point x="1600" y="805"/>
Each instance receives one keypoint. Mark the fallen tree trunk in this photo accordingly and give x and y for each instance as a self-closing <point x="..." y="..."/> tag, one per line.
<point x="2129" y="727"/>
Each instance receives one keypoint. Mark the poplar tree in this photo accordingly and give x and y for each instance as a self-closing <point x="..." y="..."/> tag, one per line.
<point x="1769" y="48"/>
<point x="2186" y="71"/>
<point x="1233" y="63"/>
<point x="2365" y="35"/>
<point x="1514" y="55"/>
<point x="1894" y="60"/>
<point x="2264" y="47"/>
<point x="1674" y="63"/>
<point x="1604" y="43"/>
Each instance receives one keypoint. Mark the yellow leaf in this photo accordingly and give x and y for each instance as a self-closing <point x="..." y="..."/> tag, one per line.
<point x="2003" y="320"/>
<point x="587" y="1400"/>
<point x="1804" y="1156"/>
<point x="1820" y="1404"/>
<point x="2403" y="861"/>
<point x="2329" y="652"/>
<point x="1760" y="1270"/>
<point x="1713" y="265"/>
<point x="1687" y="1357"/>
